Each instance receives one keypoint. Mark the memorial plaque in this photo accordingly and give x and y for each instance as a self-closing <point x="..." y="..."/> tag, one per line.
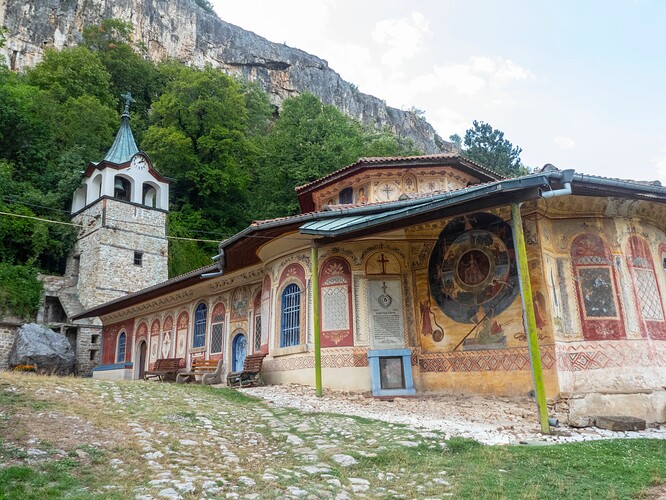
<point x="386" y="321"/>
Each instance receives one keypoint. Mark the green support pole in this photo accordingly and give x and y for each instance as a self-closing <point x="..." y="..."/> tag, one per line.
<point x="316" y="312"/>
<point x="530" y="319"/>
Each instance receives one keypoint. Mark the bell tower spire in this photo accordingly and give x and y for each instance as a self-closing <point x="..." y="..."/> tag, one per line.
<point x="124" y="147"/>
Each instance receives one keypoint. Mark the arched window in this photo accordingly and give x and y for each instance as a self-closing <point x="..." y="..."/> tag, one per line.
<point x="290" y="326"/>
<point x="647" y="293"/>
<point x="217" y="329"/>
<point x="200" y="314"/>
<point x="122" y="188"/>
<point x="596" y="286"/>
<point x="122" y="345"/>
<point x="346" y="196"/>
<point x="149" y="197"/>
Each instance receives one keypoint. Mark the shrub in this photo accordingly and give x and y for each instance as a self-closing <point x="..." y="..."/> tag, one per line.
<point x="20" y="290"/>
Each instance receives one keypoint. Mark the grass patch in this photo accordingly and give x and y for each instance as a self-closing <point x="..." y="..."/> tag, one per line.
<point x="462" y="444"/>
<point x="53" y="480"/>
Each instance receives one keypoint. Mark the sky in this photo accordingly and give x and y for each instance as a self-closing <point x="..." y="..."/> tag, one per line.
<point x="578" y="84"/>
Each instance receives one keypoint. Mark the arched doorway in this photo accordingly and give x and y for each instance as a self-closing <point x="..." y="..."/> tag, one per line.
<point x="141" y="362"/>
<point x="238" y="352"/>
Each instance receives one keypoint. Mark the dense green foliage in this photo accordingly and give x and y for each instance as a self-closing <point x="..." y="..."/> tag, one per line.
<point x="20" y="291"/>
<point x="231" y="157"/>
<point x="487" y="146"/>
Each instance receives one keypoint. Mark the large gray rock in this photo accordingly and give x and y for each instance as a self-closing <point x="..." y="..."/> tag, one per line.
<point x="48" y="351"/>
<point x="180" y="29"/>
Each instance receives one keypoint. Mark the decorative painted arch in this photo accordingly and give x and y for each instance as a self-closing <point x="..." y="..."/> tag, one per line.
<point x="167" y="337"/>
<point x="649" y="306"/>
<point x="181" y="335"/>
<point x="595" y="277"/>
<point x="336" y="303"/>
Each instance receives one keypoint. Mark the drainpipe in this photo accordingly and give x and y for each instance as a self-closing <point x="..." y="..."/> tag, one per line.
<point x="219" y="262"/>
<point x="566" y="176"/>
<point x="529" y="318"/>
<point x="316" y="313"/>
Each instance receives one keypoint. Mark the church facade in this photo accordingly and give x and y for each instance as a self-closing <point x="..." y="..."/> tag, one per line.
<point x="417" y="274"/>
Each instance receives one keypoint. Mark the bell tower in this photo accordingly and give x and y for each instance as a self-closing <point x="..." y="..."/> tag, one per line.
<point x="120" y="208"/>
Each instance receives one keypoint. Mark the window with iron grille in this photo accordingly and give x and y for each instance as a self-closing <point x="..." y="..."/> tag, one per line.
<point x="216" y="334"/>
<point x="200" y="326"/>
<point x="290" y="326"/>
<point x="120" y="353"/>
<point x="138" y="258"/>
<point x="257" y="333"/>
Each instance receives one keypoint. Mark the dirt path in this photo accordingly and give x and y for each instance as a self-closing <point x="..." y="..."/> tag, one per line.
<point x="488" y="420"/>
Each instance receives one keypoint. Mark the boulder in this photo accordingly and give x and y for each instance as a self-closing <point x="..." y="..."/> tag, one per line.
<point x="620" y="423"/>
<point x="48" y="351"/>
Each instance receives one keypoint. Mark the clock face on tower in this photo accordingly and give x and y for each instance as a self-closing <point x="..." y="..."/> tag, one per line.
<point x="139" y="163"/>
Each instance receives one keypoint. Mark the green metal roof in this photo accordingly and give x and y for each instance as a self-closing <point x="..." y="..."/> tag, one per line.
<point x="354" y="222"/>
<point x="123" y="147"/>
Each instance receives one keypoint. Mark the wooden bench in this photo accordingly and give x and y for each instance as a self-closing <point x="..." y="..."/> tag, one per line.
<point x="210" y="371"/>
<point x="164" y="369"/>
<point x="251" y="374"/>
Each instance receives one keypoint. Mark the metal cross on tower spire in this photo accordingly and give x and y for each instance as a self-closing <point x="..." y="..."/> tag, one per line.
<point x="128" y="100"/>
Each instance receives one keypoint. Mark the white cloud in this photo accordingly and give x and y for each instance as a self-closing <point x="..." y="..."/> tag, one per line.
<point x="660" y="164"/>
<point x="473" y="76"/>
<point x="564" y="143"/>
<point x="404" y="38"/>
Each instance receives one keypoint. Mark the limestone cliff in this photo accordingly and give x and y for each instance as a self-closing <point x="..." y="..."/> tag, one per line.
<point x="182" y="30"/>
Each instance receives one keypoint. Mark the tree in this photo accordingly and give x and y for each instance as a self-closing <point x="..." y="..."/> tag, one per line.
<point x="129" y="72"/>
<point x="488" y="147"/>
<point x="309" y="140"/>
<point x="73" y="73"/>
<point x="201" y="137"/>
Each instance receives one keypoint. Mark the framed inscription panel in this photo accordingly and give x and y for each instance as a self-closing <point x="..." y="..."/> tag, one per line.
<point x="386" y="320"/>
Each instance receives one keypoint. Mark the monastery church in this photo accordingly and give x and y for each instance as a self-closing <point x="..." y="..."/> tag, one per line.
<point x="423" y="267"/>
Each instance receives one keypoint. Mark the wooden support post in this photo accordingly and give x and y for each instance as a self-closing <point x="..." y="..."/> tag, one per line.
<point x="529" y="317"/>
<point x="316" y="315"/>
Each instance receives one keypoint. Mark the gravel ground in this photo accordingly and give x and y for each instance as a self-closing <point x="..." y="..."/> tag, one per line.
<point x="488" y="420"/>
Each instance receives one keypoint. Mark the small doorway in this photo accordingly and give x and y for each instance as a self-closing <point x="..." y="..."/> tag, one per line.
<point x="238" y="352"/>
<point x="143" y="350"/>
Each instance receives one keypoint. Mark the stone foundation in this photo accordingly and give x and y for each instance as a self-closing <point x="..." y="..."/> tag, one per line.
<point x="7" y="336"/>
<point x="648" y="405"/>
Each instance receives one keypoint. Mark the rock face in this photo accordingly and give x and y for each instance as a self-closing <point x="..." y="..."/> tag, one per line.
<point x="182" y="30"/>
<point x="48" y="351"/>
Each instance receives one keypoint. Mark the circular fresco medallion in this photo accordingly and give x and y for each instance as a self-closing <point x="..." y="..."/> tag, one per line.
<point x="472" y="268"/>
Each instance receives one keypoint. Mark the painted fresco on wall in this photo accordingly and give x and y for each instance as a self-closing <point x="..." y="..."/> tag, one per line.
<point x="646" y="289"/>
<point x="335" y="290"/>
<point x="472" y="274"/>
<point x="596" y="285"/>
